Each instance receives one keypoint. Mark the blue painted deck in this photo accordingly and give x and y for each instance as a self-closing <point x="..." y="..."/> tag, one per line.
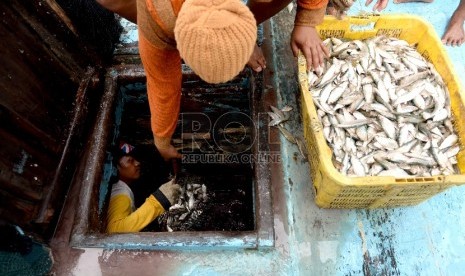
<point x="427" y="239"/>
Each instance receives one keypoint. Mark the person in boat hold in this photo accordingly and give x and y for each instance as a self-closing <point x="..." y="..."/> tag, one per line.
<point x="122" y="215"/>
<point x="216" y="38"/>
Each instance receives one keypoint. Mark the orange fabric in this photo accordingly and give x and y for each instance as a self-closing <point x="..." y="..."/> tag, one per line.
<point x="154" y="14"/>
<point x="152" y="31"/>
<point x="309" y="18"/>
<point x="310" y="12"/>
<point x="177" y="4"/>
<point x="162" y="64"/>
<point x="164" y="75"/>
<point x="312" y="4"/>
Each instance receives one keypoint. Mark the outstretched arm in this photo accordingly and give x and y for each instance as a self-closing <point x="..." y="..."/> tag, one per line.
<point x="121" y="218"/>
<point x="164" y="75"/>
<point x="124" y="8"/>
<point x="304" y="37"/>
<point x="264" y="9"/>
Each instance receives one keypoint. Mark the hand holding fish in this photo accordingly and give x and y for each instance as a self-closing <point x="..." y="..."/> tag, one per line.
<point x="171" y="191"/>
<point x="169" y="153"/>
<point x="306" y="39"/>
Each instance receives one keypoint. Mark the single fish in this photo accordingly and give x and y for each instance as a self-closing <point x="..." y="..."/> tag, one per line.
<point x="287" y="134"/>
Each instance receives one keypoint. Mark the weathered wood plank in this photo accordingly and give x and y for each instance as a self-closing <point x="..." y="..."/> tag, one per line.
<point x="14" y="123"/>
<point x="35" y="87"/>
<point x="65" y="167"/>
<point x="44" y="56"/>
<point x="16" y="210"/>
<point x="68" y="62"/>
<point x="18" y="185"/>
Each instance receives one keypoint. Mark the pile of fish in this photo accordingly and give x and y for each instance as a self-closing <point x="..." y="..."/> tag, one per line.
<point x="187" y="209"/>
<point x="384" y="109"/>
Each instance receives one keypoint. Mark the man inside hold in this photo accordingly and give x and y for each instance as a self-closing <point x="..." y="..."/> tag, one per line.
<point x="122" y="215"/>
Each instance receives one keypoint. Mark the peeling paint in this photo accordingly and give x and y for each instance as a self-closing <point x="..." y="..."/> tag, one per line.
<point x="362" y="235"/>
<point x="304" y="249"/>
<point x="281" y="243"/>
<point x="432" y="248"/>
<point x="366" y="255"/>
<point x="88" y="263"/>
<point x="328" y="251"/>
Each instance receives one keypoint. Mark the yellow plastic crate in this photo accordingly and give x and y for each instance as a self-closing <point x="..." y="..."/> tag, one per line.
<point x="335" y="190"/>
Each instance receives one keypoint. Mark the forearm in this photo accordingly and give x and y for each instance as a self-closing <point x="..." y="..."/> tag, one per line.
<point x="264" y="10"/>
<point x="313" y="9"/>
<point x="310" y="12"/>
<point x="304" y="37"/>
<point x="124" y="8"/>
<point x="121" y="221"/>
<point x="164" y="76"/>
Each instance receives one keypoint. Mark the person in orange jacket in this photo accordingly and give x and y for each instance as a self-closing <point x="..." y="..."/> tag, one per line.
<point x="216" y="38"/>
<point x="122" y="216"/>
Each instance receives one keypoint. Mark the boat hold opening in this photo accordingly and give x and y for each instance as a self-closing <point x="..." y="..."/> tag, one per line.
<point x="221" y="138"/>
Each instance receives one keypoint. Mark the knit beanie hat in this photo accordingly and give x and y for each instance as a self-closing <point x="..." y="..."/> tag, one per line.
<point x="215" y="37"/>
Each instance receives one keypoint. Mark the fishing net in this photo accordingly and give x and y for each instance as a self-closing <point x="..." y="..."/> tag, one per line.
<point x="36" y="262"/>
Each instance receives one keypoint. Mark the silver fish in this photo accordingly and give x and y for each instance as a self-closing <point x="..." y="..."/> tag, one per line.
<point x="384" y="106"/>
<point x="287" y="134"/>
<point x="393" y="172"/>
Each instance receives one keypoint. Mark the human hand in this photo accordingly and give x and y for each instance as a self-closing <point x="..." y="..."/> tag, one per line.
<point x="169" y="153"/>
<point x="171" y="191"/>
<point x="379" y="6"/>
<point x="257" y="61"/>
<point x="342" y="6"/>
<point x="164" y="147"/>
<point x="306" y="39"/>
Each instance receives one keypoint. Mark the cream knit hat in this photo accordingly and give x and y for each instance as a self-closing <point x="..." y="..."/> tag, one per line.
<point x="215" y="37"/>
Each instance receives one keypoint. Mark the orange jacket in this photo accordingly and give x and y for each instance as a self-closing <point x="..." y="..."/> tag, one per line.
<point x="162" y="63"/>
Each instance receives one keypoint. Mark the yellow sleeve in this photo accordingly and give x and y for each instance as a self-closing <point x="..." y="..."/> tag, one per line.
<point x="310" y="12"/>
<point x="122" y="219"/>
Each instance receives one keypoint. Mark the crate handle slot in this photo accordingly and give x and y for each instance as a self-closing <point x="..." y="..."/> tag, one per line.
<point x="418" y="179"/>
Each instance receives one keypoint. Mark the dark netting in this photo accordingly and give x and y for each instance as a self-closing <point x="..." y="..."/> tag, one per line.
<point x="20" y="255"/>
